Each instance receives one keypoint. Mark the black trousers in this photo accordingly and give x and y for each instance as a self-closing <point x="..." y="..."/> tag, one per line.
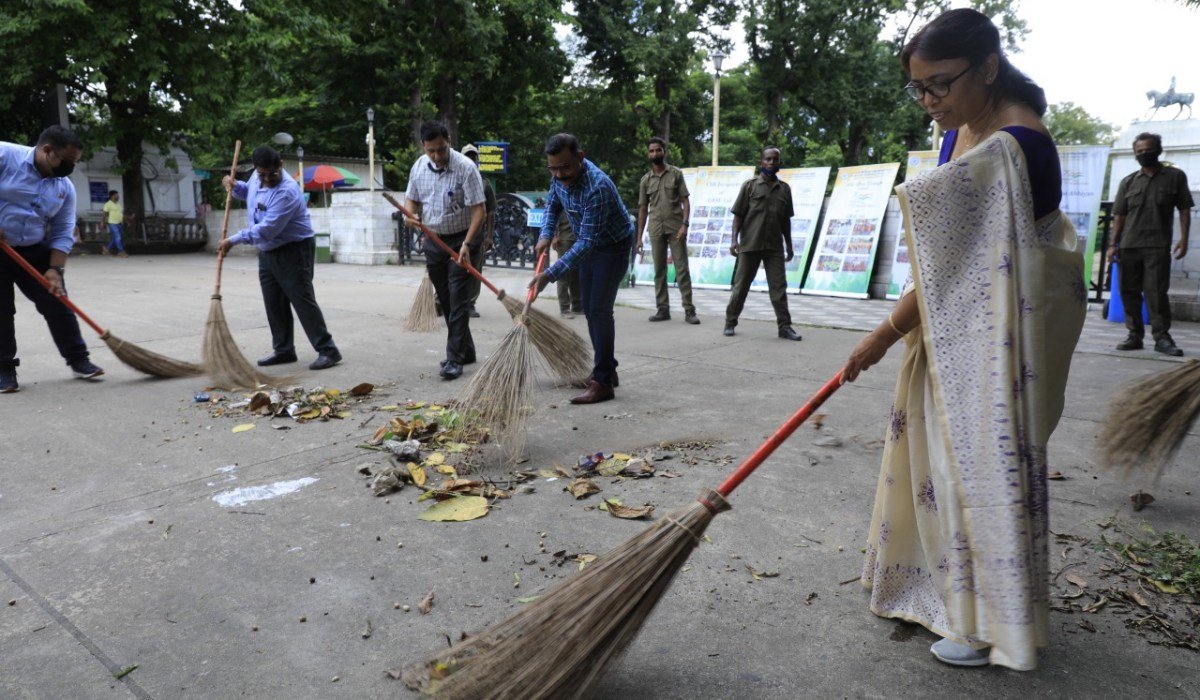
<point x="1148" y="271"/>
<point x="64" y="327"/>
<point x="453" y="286"/>
<point x="286" y="277"/>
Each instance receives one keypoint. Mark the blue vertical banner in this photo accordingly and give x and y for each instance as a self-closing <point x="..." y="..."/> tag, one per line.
<point x="493" y="157"/>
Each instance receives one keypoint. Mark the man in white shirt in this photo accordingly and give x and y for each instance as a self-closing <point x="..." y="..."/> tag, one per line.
<point x="445" y="192"/>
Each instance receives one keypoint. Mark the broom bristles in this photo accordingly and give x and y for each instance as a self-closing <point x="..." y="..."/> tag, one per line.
<point x="422" y="317"/>
<point x="1148" y="422"/>
<point x="499" y="395"/>
<point x="223" y="360"/>
<point x="565" y="353"/>
<point x="560" y="645"/>
<point x="147" y="361"/>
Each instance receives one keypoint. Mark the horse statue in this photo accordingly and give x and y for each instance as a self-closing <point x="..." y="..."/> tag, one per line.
<point x="1170" y="97"/>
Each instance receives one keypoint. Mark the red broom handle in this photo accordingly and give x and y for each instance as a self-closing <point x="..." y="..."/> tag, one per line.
<point x="46" y="283"/>
<point x="442" y="244"/>
<point x="533" y="291"/>
<point x="784" y="432"/>
<point x="237" y="149"/>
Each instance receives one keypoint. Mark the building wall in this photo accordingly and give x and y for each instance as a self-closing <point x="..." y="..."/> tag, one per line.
<point x="171" y="191"/>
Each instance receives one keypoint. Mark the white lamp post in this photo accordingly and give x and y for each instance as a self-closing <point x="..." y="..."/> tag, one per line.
<point x="371" y="148"/>
<point x="717" y="59"/>
<point x="300" y="159"/>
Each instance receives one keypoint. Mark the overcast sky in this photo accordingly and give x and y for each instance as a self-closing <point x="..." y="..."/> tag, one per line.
<point x="1101" y="54"/>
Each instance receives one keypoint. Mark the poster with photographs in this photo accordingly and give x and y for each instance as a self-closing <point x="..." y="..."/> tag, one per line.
<point x="918" y="162"/>
<point x="808" y="193"/>
<point x="710" y="232"/>
<point x="845" y="251"/>
<point x="1082" y="183"/>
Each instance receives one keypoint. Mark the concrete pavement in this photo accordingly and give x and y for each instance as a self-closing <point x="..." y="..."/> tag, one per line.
<point x="116" y="554"/>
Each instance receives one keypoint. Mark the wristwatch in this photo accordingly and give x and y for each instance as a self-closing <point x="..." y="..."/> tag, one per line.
<point x="58" y="268"/>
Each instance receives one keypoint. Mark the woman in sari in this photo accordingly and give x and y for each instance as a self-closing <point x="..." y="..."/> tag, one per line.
<point x="958" y="537"/>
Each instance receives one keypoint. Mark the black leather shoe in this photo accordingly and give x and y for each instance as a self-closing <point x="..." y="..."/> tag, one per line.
<point x="662" y="315"/>
<point x="789" y="333"/>
<point x="451" y="370"/>
<point x="277" y="359"/>
<point x="691" y="318"/>
<point x="472" y="312"/>
<point x="325" y="361"/>
<point x="728" y="329"/>
<point x="1131" y="342"/>
<point x="1167" y="347"/>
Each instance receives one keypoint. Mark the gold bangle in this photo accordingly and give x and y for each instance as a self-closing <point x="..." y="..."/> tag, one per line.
<point x="892" y="323"/>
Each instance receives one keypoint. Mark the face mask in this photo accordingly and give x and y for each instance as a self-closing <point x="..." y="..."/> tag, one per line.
<point x="1147" y="160"/>
<point x="770" y="172"/>
<point x="658" y="160"/>
<point x="63" y="169"/>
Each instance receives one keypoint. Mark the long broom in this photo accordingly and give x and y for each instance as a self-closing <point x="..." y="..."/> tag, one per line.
<point x="1148" y="421"/>
<point x="558" y="646"/>
<point x="422" y="317"/>
<point x="498" y="396"/>
<point x="564" y="352"/>
<point x="138" y="358"/>
<point x="222" y="358"/>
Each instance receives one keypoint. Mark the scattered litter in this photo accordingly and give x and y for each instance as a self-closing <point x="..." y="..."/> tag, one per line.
<point x="426" y="604"/>
<point x="828" y="441"/>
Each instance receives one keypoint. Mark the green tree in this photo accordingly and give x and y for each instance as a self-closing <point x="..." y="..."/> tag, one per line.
<point x="1071" y="125"/>
<point x="132" y="69"/>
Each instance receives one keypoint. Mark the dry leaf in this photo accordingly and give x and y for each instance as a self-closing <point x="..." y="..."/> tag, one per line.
<point x="1077" y="580"/>
<point x="426" y="604"/>
<point x="1093" y="607"/>
<point x="582" y="487"/>
<point x="622" y="456"/>
<point x="617" y="510"/>
<point x="456" y="509"/>
<point x="380" y="433"/>
<point x="818" y="420"/>
<point x="418" y="474"/>
<point x="333" y="393"/>
<point x="1056" y="476"/>
<point x="1165" y="587"/>
<point x="243" y="427"/>
<point x="760" y="575"/>
<point x="611" y="466"/>
<point x="1141" y="500"/>
<point x="447" y="469"/>
<point x="585" y="559"/>
<point x="1139" y="599"/>
<point x="638" y="468"/>
<point x="259" y="400"/>
<point x="1087" y="625"/>
<point x="435" y="459"/>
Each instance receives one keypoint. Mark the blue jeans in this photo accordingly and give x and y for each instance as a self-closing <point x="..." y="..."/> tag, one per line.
<point x="114" y="233"/>
<point x="600" y="275"/>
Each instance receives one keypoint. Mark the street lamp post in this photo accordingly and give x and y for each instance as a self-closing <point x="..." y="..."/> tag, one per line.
<point x="300" y="159"/>
<point x="717" y="59"/>
<point x="371" y="148"/>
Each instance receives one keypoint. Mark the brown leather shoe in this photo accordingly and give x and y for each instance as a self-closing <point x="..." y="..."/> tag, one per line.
<point x="596" y="392"/>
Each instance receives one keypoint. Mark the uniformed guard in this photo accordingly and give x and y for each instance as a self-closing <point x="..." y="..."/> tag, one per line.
<point x="663" y="198"/>
<point x="762" y="232"/>
<point x="567" y="286"/>
<point x="1142" y="231"/>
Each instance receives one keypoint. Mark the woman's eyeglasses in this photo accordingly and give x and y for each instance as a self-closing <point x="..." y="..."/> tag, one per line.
<point x="938" y="89"/>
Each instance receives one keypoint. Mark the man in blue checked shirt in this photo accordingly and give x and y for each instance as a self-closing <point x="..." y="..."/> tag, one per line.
<point x="280" y="227"/>
<point x="603" y="242"/>
<point x="37" y="218"/>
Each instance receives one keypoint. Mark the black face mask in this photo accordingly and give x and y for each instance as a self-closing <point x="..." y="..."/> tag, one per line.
<point x="63" y="169"/>
<point x="1147" y="160"/>
<point x="658" y="160"/>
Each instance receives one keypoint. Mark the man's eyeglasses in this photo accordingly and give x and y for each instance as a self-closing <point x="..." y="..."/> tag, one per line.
<point x="556" y="169"/>
<point x="938" y="89"/>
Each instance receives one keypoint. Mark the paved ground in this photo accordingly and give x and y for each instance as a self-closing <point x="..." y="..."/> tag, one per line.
<point x="115" y="553"/>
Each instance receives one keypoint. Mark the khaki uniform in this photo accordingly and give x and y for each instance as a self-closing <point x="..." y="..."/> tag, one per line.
<point x="567" y="286"/>
<point x="489" y="207"/>
<point x="765" y="210"/>
<point x="1149" y="205"/>
<point x="662" y="196"/>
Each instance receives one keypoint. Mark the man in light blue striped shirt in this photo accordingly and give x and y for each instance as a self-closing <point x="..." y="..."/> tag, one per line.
<point x="37" y="218"/>
<point x="603" y="242"/>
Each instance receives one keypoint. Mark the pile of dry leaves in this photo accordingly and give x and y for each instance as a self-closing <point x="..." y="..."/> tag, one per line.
<point x="302" y="405"/>
<point x="1151" y="582"/>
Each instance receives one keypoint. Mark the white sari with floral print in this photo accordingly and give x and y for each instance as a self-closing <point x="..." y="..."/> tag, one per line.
<point x="958" y="538"/>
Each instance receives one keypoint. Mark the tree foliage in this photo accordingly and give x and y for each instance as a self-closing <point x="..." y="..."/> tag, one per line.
<point x="1071" y="125"/>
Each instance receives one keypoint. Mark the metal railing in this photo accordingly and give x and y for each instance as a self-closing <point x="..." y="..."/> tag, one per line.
<point x="513" y="242"/>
